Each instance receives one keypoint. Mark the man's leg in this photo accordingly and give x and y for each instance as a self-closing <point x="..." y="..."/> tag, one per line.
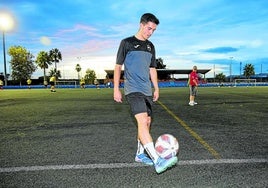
<point x="140" y="148"/>
<point x="144" y="136"/>
<point x="160" y="164"/>
<point x="191" y="103"/>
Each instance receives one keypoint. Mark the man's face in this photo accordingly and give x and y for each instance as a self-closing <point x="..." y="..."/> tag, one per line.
<point x="147" y="29"/>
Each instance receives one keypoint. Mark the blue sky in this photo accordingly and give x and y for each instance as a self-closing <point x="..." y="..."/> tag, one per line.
<point x="212" y="34"/>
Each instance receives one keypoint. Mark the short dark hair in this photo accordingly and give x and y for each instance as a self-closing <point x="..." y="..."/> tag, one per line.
<point x="148" y="17"/>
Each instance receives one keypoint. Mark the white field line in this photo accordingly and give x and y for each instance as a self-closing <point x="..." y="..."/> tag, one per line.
<point x="126" y="165"/>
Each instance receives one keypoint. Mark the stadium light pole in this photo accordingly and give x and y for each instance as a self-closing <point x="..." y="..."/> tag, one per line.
<point x="231" y="58"/>
<point x="240" y="70"/>
<point x="214" y="72"/>
<point x="5" y="63"/>
<point x="6" y="23"/>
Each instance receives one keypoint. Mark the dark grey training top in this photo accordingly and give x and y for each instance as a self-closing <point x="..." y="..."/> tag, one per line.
<point x="137" y="56"/>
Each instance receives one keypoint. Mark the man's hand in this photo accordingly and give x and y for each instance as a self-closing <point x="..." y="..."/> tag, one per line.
<point x="156" y="95"/>
<point x="117" y="96"/>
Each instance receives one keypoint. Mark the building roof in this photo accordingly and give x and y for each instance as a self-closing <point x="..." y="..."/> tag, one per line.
<point x="110" y="73"/>
<point x="182" y="71"/>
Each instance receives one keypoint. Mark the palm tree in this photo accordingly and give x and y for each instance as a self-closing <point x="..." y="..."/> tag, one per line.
<point x="78" y="69"/>
<point x="249" y="70"/>
<point x="55" y="56"/>
<point x="43" y="61"/>
<point x="54" y="72"/>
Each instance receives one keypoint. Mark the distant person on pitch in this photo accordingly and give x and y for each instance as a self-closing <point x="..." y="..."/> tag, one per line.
<point x="52" y="81"/>
<point x="193" y="84"/>
<point x="82" y="83"/>
<point x="1" y="84"/>
<point x="29" y="82"/>
<point x="137" y="54"/>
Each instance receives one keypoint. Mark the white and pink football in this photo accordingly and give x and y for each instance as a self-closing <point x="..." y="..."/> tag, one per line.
<point x="166" y="146"/>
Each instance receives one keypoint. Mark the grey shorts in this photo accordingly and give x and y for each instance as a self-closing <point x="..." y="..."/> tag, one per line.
<point x="193" y="90"/>
<point x="140" y="103"/>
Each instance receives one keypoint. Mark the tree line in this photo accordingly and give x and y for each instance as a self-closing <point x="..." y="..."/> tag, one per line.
<point x="24" y="64"/>
<point x="248" y="71"/>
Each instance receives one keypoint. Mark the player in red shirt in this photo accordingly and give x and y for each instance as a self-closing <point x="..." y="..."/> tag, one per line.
<point x="193" y="84"/>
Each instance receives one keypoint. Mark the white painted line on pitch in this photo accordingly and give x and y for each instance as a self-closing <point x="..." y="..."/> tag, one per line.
<point x="127" y="165"/>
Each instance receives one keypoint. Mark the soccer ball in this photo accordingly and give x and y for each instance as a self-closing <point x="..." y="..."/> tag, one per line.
<point x="166" y="146"/>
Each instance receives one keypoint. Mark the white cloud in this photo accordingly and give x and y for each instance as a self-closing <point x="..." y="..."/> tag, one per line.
<point x="256" y="43"/>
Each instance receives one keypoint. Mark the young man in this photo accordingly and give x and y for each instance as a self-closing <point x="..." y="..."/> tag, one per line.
<point x="29" y="82"/>
<point x="52" y="81"/>
<point x="137" y="54"/>
<point x="82" y="83"/>
<point x="1" y="84"/>
<point x="193" y="83"/>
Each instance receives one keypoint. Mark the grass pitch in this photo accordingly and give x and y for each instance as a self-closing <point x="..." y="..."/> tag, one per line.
<point x="37" y="107"/>
<point x="76" y="126"/>
<point x="29" y="113"/>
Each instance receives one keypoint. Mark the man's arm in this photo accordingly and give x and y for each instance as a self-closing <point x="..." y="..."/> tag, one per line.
<point x="154" y="79"/>
<point x="195" y="80"/>
<point x="117" y="92"/>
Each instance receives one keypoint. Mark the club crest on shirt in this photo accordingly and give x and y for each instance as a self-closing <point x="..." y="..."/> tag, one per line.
<point x="149" y="47"/>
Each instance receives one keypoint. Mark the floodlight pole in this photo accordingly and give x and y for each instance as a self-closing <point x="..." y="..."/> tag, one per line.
<point x="240" y="69"/>
<point x="4" y="53"/>
<point x="231" y="58"/>
<point x="214" y="72"/>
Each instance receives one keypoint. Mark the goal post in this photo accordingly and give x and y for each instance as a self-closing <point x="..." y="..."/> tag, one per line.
<point x="245" y="82"/>
<point x="66" y="84"/>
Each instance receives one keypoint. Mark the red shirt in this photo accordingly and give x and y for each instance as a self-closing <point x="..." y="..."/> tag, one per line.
<point x="193" y="76"/>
